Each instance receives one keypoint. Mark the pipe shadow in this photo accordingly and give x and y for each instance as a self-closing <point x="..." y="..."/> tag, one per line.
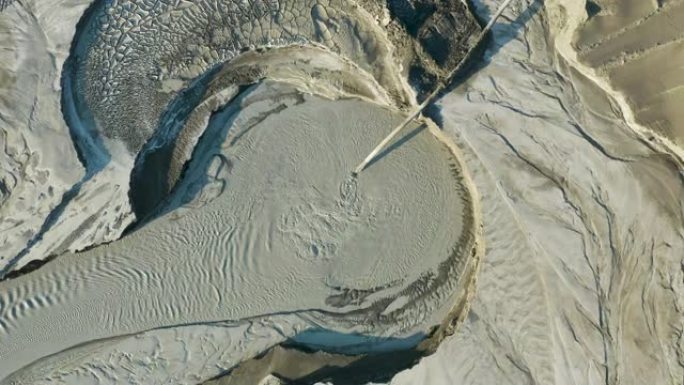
<point x="410" y="135"/>
<point x="500" y="35"/>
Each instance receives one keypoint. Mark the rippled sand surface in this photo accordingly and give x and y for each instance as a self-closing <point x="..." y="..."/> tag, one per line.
<point x="638" y="46"/>
<point x="581" y="282"/>
<point x="280" y="226"/>
<point x="528" y="229"/>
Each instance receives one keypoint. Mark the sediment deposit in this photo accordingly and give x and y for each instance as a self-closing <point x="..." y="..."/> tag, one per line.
<point x="235" y="147"/>
<point x="229" y="166"/>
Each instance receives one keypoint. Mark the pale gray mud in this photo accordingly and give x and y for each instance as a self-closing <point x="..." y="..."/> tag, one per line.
<point x="278" y="228"/>
<point x="233" y="141"/>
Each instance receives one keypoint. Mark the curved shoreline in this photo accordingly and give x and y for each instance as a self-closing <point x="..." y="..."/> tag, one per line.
<point x="569" y="18"/>
<point x="439" y="288"/>
<point x="459" y="289"/>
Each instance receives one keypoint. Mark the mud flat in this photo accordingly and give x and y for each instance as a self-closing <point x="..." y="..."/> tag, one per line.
<point x="581" y="282"/>
<point x="232" y="147"/>
<point x="277" y="226"/>
<point x="66" y="82"/>
<point x="56" y="74"/>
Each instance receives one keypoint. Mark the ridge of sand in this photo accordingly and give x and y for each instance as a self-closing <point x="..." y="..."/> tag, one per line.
<point x="565" y="19"/>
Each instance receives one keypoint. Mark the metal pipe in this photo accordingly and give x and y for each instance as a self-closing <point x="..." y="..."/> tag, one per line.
<point x="433" y="94"/>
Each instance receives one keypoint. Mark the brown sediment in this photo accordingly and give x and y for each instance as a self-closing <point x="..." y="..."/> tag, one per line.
<point x="632" y="50"/>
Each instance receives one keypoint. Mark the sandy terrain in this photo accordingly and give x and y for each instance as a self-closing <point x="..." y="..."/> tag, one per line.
<point x="637" y="47"/>
<point x="75" y="184"/>
<point x="253" y="210"/>
<point x="278" y="227"/>
<point x="180" y="355"/>
<point x="582" y="216"/>
<point x="286" y="363"/>
<point x="581" y="283"/>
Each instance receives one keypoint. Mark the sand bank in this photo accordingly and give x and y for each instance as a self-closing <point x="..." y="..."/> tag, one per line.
<point x="276" y="226"/>
<point x="621" y="47"/>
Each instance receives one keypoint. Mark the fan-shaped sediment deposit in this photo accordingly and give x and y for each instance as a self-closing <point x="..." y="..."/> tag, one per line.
<point x="238" y="125"/>
<point x="227" y="131"/>
<point x="277" y="225"/>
